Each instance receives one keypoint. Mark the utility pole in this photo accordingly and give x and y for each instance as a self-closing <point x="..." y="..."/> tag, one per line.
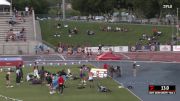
<point x="63" y="10"/>
<point x="177" y="25"/>
<point x="59" y="8"/>
<point x="11" y="8"/>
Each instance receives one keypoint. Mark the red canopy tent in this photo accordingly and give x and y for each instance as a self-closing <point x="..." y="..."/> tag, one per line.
<point x="108" y="56"/>
<point x="11" y="61"/>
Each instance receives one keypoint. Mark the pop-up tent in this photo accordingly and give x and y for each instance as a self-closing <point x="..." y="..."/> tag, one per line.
<point x="108" y="56"/>
<point x="4" y="2"/>
<point x="11" y="61"/>
<point x="5" y="7"/>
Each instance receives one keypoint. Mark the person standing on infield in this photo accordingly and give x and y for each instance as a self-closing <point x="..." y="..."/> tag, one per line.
<point x="61" y="84"/>
<point x="8" y="82"/>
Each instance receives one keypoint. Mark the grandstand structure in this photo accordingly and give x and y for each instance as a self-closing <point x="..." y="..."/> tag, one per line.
<point x="16" y="46"/>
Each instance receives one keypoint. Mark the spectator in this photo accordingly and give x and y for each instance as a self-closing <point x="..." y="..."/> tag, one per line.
<point x="61" y="84"/>
<point x="90" y="74"/>
<point x="8" y="81"/>
<point x="12" y="21"/>
<point x="144" y="36"/>
<point x="82" y="75"/>
<point x="30" y="10"/>
<point x="119" y="71"/>
<point x="22" y="30"/>
<point x="111" y="71"/>
<point x="15" y="11"/>
<point x="21" y="73"/>
<point x="155" y="30"/>
<point x="18" y="76"/>
<point x="50" y="82"/>
<point x="108" y="28"/>
<point x="36" y="74"/>
<point x="49" y="79"/>
<point x="75" y="31"/>
<point x="90" y="32"/>
<point x="105" y="66"/>
<point x="27" y="11"/>
<point x="58" y="25"/>
<point x="42" y="74"/>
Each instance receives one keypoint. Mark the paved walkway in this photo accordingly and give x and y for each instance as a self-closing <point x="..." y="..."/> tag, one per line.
<point x="149" y="74"/>
<point x="154" y="56"/>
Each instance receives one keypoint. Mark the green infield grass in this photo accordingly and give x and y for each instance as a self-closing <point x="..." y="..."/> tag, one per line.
<point x="28" y="92"/>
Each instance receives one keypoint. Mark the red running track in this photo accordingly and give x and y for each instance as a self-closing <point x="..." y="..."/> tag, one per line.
<point x="153" y="56"/>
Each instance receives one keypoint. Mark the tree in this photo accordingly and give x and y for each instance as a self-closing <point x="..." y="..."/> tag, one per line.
<point x="40" y="6"/>
<point x="95" y="7"/>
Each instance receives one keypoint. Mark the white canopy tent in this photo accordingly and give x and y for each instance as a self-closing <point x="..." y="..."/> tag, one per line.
<point x="5" y="7"/>
<point x="4" y="2"/>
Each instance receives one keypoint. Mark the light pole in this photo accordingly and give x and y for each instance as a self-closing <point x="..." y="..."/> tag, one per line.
<point x="59" y="8"/>
<point x="177" y="25"/>
<point x="63" y="10"/>
<point x="11" y="8"/>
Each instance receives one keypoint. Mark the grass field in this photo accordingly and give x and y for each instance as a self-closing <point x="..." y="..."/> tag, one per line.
<point x="28" y="92"/>
<point x="48" y="28"/>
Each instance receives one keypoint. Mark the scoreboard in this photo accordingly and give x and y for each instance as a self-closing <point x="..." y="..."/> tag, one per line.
<point x="162" y="89"/>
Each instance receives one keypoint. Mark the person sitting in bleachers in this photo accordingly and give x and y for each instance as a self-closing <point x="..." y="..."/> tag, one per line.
<point x="12" y="22"/>
<point x="20" y="18"/>
<point x="10" y="35"/>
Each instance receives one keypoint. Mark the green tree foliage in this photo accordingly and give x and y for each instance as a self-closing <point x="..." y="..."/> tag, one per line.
<point x="149" y="8"/>
<point x="143" y="8"/>
<point x="40" y="6"/>
<point x="93" y="6"/>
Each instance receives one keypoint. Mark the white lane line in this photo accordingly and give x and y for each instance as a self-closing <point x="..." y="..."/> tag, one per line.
<point x="124" y="87"/>
<point x="125" y="56"/>
<point x="128" y="89"/>
<point x="107" y="61"/>
<point x="9" y="98"/>
<point x="60" y="55"/>
<point x="134" y="94"/>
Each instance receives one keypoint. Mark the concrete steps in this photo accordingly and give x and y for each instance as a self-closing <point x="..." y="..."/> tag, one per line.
<point x="5" y="27"/>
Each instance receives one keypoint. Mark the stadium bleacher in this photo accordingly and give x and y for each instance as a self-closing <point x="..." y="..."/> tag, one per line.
<point x="26" y="44"/>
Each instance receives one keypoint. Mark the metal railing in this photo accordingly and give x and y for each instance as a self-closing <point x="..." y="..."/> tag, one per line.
<point x="34" y="25"/>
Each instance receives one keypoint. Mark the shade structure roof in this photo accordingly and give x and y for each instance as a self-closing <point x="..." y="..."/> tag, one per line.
<point x="4" y="2"/>
<point x="108" y="56"/>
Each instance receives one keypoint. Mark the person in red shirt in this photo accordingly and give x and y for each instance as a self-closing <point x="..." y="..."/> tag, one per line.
<point x="105" y="66"/>
<point x="61" y="84"/>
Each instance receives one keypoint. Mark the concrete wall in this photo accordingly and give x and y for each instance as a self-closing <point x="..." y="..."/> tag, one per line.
<point x="19" y="48"/>
<point x="14" y="48"/>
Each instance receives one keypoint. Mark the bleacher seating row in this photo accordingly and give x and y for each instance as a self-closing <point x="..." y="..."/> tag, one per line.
<point x="5" y="27"/>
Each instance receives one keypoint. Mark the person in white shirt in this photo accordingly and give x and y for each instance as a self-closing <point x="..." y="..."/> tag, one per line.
<point x="18" y="76"/>
<point x="36" y="74"/>
<point x="26" y="10"/>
